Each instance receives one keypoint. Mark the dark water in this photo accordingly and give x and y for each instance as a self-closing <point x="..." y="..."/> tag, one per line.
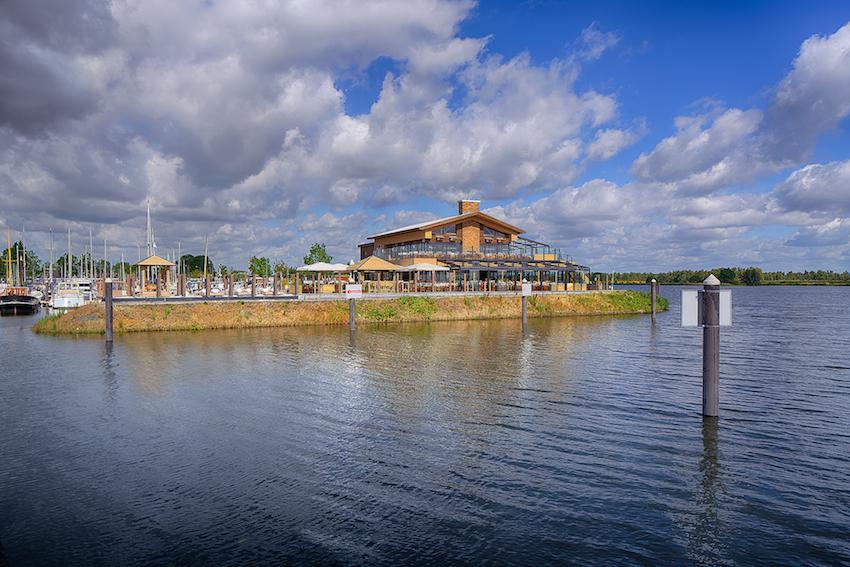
<point x="580" y="442"/>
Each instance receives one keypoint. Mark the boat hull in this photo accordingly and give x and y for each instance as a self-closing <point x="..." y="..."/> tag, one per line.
<point x="14" y="304"/>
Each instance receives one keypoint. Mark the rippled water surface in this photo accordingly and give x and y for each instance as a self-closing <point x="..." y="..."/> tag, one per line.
<point x="580" y="441"/>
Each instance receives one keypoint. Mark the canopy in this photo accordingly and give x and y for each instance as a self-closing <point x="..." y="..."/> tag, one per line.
<point x="155" y="261"/>
<point x="324" y="267"/>
<point x="374" y="264"/>
<point x="425" y="267"/>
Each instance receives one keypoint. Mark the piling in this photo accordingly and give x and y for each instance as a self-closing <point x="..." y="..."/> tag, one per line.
<point x="276" y="284"/>
<point x="207" y="286"/>
<point x="351" y="314"/>
<point x="524" y="311"/>
<point x="107" y="297"/>
<point x="158" y="284"/>
<point x="253" y="285"/>
<point x="711" y="347"/>
<point x="230" y="285"/>
<point x="653" y="294"/>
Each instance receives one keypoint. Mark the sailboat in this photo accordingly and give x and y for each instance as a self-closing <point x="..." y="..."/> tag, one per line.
<point x="16" y="299"/>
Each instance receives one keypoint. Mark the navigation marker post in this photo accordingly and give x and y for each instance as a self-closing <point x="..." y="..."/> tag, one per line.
<point x="352" y="291"/>
<point x="107" y="298"/>
<point x="526" y="292"/>
<point x="653" y="293"/>
<point x="709" y="308"/>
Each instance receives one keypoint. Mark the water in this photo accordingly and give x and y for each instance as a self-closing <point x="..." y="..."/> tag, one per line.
<point x="452" y="442"/>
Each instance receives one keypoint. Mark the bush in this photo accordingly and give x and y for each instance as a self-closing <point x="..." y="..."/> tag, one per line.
<point x="380" y="312"/>
<point x="424" y="306"/>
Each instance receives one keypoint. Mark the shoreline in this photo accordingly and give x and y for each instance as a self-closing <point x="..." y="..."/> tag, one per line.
<point x="199" y="316"/>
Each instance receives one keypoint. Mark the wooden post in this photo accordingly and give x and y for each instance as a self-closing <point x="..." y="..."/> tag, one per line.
<point x="107" y="293"/>
<point x="159" y="282"/>
<point x="351" y="314"/>
<point x="297" y="284"/>
<point x="253" y="285"/>
<point x="276" y="284"/>
<point x="524" y="312"/>
<point x="433" y="281"/>
<point x="653" y="296"/>
<point x="711" y="347"/>
<point x="230" y="284"/>
<point x="208" y="285"/>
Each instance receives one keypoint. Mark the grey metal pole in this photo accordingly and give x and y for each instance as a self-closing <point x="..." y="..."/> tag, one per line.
<point x="711" y="347"/>
<point x="351" y="314"/>
<point x="524" y="312"/>
<point x="653" y="294"/>
<point x="107" y="293"/>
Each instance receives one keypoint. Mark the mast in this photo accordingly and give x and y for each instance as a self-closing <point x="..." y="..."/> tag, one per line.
<point x="206" y="241"/>
<point x="123" y="278"/>
<point x="8" y="257"/>
<point x="50" y="267"/>
<point x="151" y="243"/>
<point x="68" y="257"/>
<point x="23" y="266"/>
<point x="90" y="263"/>
<point x="105" y="263"/>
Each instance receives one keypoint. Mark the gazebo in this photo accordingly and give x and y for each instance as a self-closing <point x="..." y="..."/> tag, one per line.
<point x="151" y="268"/>
<point x="320" y="268"/>
<point x="376" y="265"/>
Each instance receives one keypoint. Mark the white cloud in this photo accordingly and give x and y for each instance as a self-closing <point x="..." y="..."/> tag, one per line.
<point x="706" y="153"/>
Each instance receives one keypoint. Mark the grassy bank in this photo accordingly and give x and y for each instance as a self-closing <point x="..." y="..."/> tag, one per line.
<point x="235" y="315"/>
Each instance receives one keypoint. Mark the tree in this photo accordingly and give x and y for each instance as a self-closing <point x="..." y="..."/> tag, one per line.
<point x="259" y="267"/>
<point x="194" y="265"/>
<point x="280" y="267"/>
<point x="727" y="276"/>
<point x="317" y="253"/>
<point x="751" y="276"/>
<point x="223" y="270"/>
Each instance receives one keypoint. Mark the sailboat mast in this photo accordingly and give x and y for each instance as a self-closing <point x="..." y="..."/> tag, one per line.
<point x="68" y="257"/>
<point x="50" y="267"/>
<point x="8" y="257"/>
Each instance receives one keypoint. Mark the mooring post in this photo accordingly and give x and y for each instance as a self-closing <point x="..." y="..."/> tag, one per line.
<point x="158" y="284"/>
<point x="107" y="297"/>
<point x="253" y="285"/>
<point x="207" y="286"/>
<point x="275" y="285"/>
<point x="230" y="285"/>
<point x="653" y="296"/>
<point x="351" y="314"/>
<point x="711" y="347"/>
<point x="524" y="311"/>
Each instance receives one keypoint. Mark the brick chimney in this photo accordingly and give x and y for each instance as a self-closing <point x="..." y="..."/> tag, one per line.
<point x="467" y="206"/>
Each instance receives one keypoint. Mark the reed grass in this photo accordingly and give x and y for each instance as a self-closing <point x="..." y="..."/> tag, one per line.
<point x="128" y="318"/>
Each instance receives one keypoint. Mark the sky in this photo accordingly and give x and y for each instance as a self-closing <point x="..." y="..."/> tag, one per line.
<point x="633" y="135"/>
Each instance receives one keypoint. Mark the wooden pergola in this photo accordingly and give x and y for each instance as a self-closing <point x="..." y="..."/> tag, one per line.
<point x="151" y="268"/>
<point x="377" y="266"/>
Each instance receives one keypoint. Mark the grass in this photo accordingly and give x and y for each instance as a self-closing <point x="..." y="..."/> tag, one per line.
<point x="235" y="315"/>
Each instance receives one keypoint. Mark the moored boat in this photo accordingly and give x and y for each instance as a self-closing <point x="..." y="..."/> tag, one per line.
<point x="18" y="301"/>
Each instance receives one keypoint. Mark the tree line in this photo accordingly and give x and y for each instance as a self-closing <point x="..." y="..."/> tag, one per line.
<point x="193" y="265"/>
<point x="739" y="276"/>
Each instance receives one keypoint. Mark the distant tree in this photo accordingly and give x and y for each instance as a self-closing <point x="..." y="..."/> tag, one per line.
<point x="727" y="276"/>
<point x="259" y="266"/>
<point x="751" y="276"/>
<point x="223" y="270"/>
<point x="317" y="253"/>
<point x="194" y="265"/>
<point x="280" y="267"/>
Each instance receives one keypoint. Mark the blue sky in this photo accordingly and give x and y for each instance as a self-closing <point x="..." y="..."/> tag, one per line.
<point x="633" y="135"/>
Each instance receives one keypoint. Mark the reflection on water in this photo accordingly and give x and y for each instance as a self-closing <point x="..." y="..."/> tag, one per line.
<point x="705" y="544"/>
<point x="575" y="440"/>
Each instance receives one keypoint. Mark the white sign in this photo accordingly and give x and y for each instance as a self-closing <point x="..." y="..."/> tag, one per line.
<point x="692" y="308"/>
<point x="526" y="289"/>
<point x="353" y="290"/>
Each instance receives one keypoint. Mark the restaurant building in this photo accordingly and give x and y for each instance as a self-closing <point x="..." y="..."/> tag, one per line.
<point x="480" y="252"/>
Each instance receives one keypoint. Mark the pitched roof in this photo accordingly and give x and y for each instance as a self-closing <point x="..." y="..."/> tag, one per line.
<point x="446" y="220"/>
<point x="154" y="261"/>
<point x="374" y="264"/>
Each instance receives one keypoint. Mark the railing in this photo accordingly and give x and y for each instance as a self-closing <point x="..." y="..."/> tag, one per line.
<point x="429" y="249"/>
